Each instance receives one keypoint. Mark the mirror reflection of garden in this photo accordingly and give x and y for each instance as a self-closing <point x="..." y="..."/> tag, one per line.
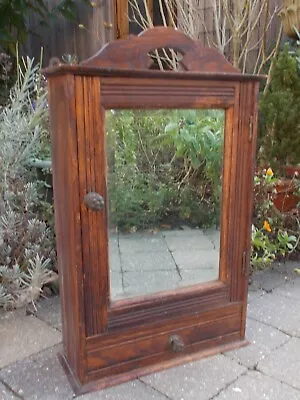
<point x="164" y="186"/>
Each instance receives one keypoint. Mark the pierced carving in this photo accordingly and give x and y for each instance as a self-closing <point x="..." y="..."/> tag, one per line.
<point x="133" y="53"/>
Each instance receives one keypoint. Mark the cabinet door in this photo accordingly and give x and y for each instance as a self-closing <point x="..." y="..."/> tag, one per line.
<point x="159" y="240"/>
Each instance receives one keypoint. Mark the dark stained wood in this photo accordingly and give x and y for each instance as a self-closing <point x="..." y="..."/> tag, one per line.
<point x="210" y="348"/>
<point x="249" y="154"/>
<point x="92" y="166"/>
<point x="64" y="69"/>
<point x="156" y="93"/>
<point x="130" y="333"/>
<point x="159" y="343"/>
<point x="111" y="342"/>
<point x="133" y="53"/>
<point x="67" y="218"/>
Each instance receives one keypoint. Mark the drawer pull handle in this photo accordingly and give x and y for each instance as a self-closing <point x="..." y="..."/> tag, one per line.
<point x="176" y="343"/>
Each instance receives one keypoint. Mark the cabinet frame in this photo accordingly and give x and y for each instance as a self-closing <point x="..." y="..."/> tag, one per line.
<point x="104" y="342"/>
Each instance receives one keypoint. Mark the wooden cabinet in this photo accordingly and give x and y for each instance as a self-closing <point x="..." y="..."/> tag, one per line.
<point x="110" y="341"/>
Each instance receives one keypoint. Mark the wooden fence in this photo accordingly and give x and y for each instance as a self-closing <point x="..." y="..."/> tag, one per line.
<point x="97" y="25"/>
<point x="94" y="27"/>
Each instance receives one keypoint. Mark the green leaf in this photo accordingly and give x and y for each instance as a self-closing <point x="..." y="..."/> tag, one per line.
<point x="172" y="128"/>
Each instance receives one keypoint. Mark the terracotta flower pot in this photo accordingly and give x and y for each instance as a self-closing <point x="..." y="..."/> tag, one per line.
<point x="292" y="171"/>
<point x="285" y="200"/>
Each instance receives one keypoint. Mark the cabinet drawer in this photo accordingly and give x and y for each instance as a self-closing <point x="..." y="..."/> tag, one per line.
<point x="172" y="341"/>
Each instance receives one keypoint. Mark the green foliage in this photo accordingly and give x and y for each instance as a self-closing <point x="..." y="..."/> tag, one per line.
<point x="200" y="141"/>
<point x="165" y="167"/>
<point x="274" y="234"/>
<point x="280" y="112"/>
<point x="14" y="16"/>
<point x="27" y="251"/>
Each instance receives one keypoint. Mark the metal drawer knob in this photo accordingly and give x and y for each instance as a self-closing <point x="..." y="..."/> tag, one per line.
<point x="94" y="201"/>
<point x="176" y="343"/>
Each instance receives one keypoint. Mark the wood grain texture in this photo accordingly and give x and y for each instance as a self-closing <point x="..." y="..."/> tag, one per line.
<point x="209" y="349"/>
<point x="156" y="93"/>
<point x="67" y="217"/>
<point x="141" y="348"/>
<point x="133" y="53"/>
<point x="92" y="175"/>
<point x="113" y="342"/>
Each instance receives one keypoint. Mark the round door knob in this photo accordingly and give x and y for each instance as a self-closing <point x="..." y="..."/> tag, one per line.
<point x="94" y="201"/>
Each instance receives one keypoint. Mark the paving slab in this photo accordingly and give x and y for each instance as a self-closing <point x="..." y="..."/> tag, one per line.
<point x="195" y="259"/>
<point x="290" y="289"/>
<point x="267" y="280"/>
<point x="256" y="294"/>
<point x="6" y="394"/>
<point x="284" y="363"/>
<point x="116" y="284"/>
<point x="49" y="311"/>
<point x="38" y="377"/>
<point x="214" y="236"/>
<point x="21" y="336"/>
<point x="196" y="276"/>
<point x="141" y="243"/>
<point x="287" y="268"/>
<point x="186" y="232"/>
<point x="263" y="340"/>
<point x="256" y="386"/>
<point x="277" y="311"/>
<point x="41" y="377"/>
<point x="115" y="261"/>
<point x="139" y="283"/>
<point x="150" y="261"/>
<point x="198" y="380"/>
<point x="135" y="390"/>
<point x="188" y="243"/>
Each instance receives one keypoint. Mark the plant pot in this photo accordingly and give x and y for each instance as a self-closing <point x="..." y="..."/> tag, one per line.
<point x="291" y="171"/>
<point x="285" y="199"/>
<point x="290" y="17"/>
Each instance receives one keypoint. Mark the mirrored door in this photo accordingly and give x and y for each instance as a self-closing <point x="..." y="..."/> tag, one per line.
<point x="164" y="191"/>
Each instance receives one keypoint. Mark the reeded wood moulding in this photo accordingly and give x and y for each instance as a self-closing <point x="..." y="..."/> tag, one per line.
<point x="105" y="342"/>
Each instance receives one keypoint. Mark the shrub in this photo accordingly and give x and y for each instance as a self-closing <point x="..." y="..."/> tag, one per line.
<point x="27" y="252"/>
<point x="280" y="113"/>
<point x="164" y="167"/>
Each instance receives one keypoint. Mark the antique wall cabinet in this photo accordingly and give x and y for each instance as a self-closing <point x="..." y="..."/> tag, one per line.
<point x="111" y="336"/>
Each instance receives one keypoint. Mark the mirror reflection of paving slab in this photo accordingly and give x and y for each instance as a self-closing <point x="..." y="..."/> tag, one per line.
<point x="149" y="262"/>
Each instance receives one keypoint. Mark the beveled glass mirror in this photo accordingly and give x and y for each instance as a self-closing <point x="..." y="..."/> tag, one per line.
<point x="164" y="191"/>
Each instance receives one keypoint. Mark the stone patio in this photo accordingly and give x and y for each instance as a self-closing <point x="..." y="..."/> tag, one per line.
<point x="150" y="262"/>
<point x="267" y="369"/>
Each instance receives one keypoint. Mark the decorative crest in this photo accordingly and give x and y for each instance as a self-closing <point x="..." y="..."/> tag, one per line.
<point x="133" y="53"/>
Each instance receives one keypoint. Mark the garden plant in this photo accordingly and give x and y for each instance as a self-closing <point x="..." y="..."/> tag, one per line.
<point x="27" y="251"/>
<point x="165" y="167"/>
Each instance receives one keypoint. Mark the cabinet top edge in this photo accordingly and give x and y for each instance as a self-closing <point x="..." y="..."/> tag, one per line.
<point x="80" y="70"/>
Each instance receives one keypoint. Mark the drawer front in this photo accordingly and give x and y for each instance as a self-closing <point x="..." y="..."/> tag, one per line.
<point x="171" y="341"/>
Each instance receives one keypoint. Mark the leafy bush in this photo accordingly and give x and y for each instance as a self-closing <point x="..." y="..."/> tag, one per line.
<point x="27" y="252"/>
<point x="280" y="116"/>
